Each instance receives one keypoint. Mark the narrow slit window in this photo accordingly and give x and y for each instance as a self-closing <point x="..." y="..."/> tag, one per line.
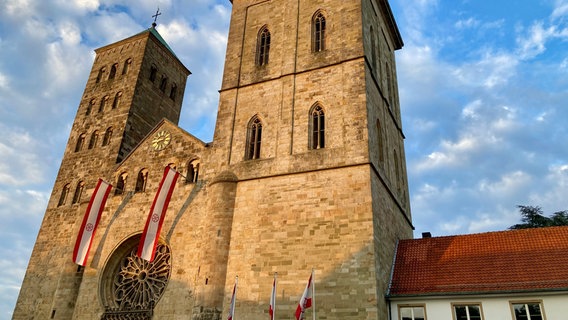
<point x="141" y="181"/>
<point x="90" y="107"/>
<point x="78" y="192"/>
<point x="107" y="137"/>
<point x="80" y="143"/>
<point x="263" y="47"/>
<point x="64" y="194"/>
<point x="112" y="73"/>
<point x="254" y="139"/>
<point x="94" y="140"/>
<point x="120" y="184"/>
<point x="126" y="66"/>
<point x="116" y="101"/>
<point x="163" y="83"/>
<point x="173" y="92"/>
<point x="318" y="33"/>
<point x="192" y="171"/>
<point x="153" y="73"/>
<point x="101" y="74"/>
<point x="103" y="103"/>
<point x="318" y="128"/>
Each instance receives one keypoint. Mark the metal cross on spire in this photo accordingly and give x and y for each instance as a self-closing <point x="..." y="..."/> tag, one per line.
<point x="154" y="24"/>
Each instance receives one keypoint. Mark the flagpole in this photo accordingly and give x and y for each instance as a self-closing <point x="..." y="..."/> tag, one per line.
<point x="235" y="303"/>
<point x="274" y="307"/>
<point x="314" y="293"/>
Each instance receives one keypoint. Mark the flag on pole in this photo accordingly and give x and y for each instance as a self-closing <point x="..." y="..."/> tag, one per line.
<point x="147" y="246"/>
<point x="305" y="300"/>
<point x="272" y="305"/>
<point x="231" y="315"/>
<point x="90" y="222"/>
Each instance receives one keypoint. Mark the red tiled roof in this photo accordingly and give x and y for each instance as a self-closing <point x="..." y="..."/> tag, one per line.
<point x="493" y="262"/>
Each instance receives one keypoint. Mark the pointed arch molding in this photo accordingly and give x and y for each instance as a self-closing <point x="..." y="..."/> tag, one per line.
<point x="130" y="287"/>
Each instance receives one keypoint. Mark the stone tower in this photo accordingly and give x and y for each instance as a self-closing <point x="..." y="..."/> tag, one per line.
<point x="306" y="172"/>
<point x="133" y="84"/>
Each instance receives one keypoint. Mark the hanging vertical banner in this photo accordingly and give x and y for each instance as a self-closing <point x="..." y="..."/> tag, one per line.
<point x="147" y="246"/>
<point x="90" y="222"/>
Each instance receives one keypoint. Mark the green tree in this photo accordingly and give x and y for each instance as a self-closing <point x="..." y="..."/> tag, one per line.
<point x="533" y="217"/>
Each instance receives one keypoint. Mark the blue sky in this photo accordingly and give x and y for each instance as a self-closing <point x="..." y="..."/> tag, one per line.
<point x="483" y="89"/>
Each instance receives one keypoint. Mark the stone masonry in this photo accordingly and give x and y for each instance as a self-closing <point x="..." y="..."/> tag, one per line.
<point x="337" y="210"/>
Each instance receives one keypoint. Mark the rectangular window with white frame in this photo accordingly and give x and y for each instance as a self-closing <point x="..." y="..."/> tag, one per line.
<point x="412" y="312"/>
<point x="527" y="310"/>
<point x="467" y="311"/>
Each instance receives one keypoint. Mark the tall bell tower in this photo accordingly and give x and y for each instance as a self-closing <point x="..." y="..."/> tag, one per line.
<point x="133" y="84"/>
<point x="309" y="121"/>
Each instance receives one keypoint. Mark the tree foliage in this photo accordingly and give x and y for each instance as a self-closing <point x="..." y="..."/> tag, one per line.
<point x="533" y="217"/>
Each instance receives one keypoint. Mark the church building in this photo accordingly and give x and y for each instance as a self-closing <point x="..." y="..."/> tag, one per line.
<point x="306" y="174"/>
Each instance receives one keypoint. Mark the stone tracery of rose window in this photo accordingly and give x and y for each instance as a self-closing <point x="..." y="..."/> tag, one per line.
<point x="139" y="284"/>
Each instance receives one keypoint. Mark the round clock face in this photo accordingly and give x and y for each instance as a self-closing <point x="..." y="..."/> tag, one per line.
<point x="161" y="140"/>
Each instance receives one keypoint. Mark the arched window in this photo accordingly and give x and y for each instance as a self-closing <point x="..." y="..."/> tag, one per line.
<point x="103" y="103"/>
<point x="318" y="32"/>
<point x="64" y="194"/>
<point x="78" y="192"/>
<point x="173" y="92"/>
<point x="317" y="127"/>
<point x="121" y="184"/>
<point x="116" y="101"/>
<point x="153" y="73"/>
<point x="107" y="137"/>
<point x="380" y="142"/>
<point x="263" y="46"/>
<point x="80" y="142"/>
<point x="94" y="139"/>
<point x="192" y="171"/>
<point x="90" y="107"/>
<point x="126" y="66"/>
<point x="254" y="138"/>
<point x="112" y="72"/>
<point x="101" y="74"/>
<point x="163" y="83"/>
<point x="141" y="181"/>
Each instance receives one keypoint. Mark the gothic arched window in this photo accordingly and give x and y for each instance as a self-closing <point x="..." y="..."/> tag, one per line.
<point x="317" y="127"/>
<point x="318" y="32"/>
<point x="64" y="194"/>
<point x="80" y="142"/>
<point x="254" y="139"/>
<point x="116" y="101"/>
<point x="141" y="181"/>
<point x="107" y="137"/>
<point x="121" y="184"/>
<point x="263" y="46"/>
<point x="192" y="171"/>
<point x="78" y="192"/>
<point x="94" y="139"/>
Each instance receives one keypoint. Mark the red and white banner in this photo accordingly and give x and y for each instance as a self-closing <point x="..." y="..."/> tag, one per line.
<point x="231" y="314"/>
<point x="272" y="305"/>
<point x="149" y="240"/>
<point x="305" y="300"/>
<point x="90" y="222"/>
